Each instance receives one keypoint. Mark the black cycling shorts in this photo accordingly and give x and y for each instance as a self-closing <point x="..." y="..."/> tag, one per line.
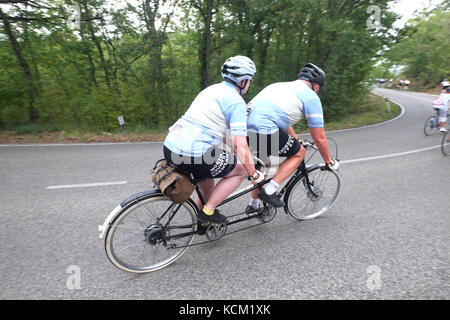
<point x="214" y="163"/>
<point x="278" y="144"/>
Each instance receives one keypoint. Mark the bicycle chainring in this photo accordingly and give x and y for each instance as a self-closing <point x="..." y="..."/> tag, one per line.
<point x="215" y="231"/>
<point x="268" y="214"/>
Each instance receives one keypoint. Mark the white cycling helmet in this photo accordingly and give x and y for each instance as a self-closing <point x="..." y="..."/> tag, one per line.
<point x="238" y="68"/>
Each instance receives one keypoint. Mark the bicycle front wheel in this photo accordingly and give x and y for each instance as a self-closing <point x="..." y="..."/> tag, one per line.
<point x="445" y="144"/>
<point x="326" y="187"/>
<point x="429" y="126"/>
<point x="150" y="234"/>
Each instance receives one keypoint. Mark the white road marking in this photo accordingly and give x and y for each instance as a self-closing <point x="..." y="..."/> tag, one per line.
<point x="86" y="185"/>
<point x="390" y="155"/>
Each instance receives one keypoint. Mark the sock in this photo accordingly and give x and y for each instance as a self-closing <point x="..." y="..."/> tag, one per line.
<point x="271" y="187"/>
<point x="254" y="203"/>
<point x="207" y="211"/>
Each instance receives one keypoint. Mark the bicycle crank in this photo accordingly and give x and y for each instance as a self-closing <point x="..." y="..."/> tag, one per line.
<point x="268" y="214"/>
<point x="215" y="231"/>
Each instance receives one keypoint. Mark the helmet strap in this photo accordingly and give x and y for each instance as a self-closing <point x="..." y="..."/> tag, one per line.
<point x="241" y="88"/>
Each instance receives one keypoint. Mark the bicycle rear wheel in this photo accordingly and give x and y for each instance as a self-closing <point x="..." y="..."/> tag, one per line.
<point x="445" y="144"/>
<point x="430" y="126"/>
<point x="303" y="204"/>
<point x="150" y="234"/>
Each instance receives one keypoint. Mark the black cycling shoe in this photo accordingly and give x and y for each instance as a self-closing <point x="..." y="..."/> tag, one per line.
<point x="216" y="217"/>
<point x="202" y="226"/>
<point x="250" y="209"/>
<point x="272" y="199"/>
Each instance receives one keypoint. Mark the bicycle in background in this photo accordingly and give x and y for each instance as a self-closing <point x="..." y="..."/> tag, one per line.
<point x="432" y="124"/>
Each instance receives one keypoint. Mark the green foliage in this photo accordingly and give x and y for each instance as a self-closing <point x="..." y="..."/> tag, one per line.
<point x="149" y="71"/>
<point x="424" y="48"/>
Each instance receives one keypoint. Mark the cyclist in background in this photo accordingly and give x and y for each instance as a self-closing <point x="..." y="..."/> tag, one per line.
<point x="272" y="113"/>
<point x="407" y="83"/>
<point x="442" y="104"/>
<point x="193" y="141"/>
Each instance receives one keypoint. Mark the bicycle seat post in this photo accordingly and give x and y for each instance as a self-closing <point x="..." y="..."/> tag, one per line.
<point x="197" y="188"/>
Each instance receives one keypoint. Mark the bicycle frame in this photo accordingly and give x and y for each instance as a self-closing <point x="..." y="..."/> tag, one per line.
<point x="300" y="170"/>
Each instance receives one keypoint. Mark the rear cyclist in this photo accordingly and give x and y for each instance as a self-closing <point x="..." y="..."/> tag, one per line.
<point x="193" y="141"/>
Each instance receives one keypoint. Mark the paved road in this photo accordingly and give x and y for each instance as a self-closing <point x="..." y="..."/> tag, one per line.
<point x="387" y="237"/>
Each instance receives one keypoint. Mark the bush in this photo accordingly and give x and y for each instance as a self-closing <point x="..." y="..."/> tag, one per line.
<point x="14" y="115"/>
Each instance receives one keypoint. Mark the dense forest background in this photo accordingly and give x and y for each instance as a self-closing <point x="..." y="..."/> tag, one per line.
<point x="81" y="64"/>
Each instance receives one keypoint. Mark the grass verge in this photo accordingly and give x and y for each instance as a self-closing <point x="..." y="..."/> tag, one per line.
<point x="373" y="110"/>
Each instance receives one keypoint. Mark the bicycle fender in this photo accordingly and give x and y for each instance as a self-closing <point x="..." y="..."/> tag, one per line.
<point x="137" y="196"/>
<point x="102" y="228"/>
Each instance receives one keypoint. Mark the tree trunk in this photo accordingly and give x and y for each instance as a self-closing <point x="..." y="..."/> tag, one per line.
<point x="205" y="46"/>
<point x="97" y="43"/>
<point x="205" y="52"/>
<point x="89" y="57"/>
<point x="24" y="65"/>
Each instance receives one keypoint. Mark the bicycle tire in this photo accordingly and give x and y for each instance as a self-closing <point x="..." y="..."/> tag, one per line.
<point x="302" y="204"/>
<point x="445" y="144"/>
<point x="141" y="227"/>
<point x="428" y="128"/>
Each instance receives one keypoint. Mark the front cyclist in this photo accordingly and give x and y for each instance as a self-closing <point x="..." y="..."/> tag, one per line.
<point x="273" y="112"/>
<point x="193" y="141"/>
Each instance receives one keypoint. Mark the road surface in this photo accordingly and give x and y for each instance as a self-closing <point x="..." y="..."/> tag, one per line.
<point x="387" y="237"/>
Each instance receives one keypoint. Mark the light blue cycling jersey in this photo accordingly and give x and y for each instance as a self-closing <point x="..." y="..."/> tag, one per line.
<point x="283" y="104"/>
<point x="215" y="109"/>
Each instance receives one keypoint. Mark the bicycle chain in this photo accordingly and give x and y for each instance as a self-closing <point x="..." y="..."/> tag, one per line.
<point x="226" y="234"/>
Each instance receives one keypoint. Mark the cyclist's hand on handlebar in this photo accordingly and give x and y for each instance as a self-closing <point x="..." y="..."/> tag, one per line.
<point x="333" y="164"/>
<point x="257" y="177"/>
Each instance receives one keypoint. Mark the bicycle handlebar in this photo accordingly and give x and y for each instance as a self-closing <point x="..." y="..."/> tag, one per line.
<point x="309" y="144"/>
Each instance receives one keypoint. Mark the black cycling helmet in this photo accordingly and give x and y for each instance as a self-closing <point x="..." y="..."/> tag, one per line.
<point x="312" y="73"/>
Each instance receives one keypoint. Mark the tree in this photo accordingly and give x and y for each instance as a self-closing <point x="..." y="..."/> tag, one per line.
<point x="423" y="47"/>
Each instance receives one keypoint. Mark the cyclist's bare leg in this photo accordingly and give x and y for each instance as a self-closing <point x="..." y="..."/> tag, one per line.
<point x="226" y="186"/>
<point x="254" y="194"/>
<point x="288" y="166"/>
<point x="206" y="188"/>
